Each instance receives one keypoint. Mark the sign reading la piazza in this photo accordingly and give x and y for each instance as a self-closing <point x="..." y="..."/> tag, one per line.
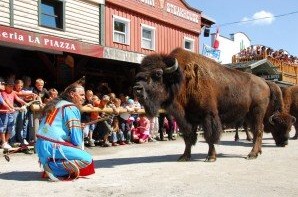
<point x="37" y="40"/>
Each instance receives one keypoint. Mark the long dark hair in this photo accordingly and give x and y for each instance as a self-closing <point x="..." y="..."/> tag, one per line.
<point x="65" y="95"/>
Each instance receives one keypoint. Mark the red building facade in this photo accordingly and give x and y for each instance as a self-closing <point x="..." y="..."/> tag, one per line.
<point x="148" y="26"/>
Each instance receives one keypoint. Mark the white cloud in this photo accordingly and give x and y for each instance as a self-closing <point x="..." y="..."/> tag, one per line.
<point x="260" y="18"/>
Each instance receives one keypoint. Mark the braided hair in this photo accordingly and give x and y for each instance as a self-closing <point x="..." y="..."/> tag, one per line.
<point x="65" y="95"/>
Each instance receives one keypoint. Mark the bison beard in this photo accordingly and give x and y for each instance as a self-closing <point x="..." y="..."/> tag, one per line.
<point x="149" y="100"/>
<point x="202" y="92"/>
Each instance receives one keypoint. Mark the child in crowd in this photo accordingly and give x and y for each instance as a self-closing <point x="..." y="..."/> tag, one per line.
<point x="117" y="135"/>
<point x="3" y="109"/>
<point x="129" y="105"/>
<point x="8" y="118"/>
<point x="86" y="117"/>
<point x="104" y="127"/>
<point x="53" y="93"/>
<point x="22" y="127"/>
<point x="142" y="131"/>
<point x="40" y="91"/>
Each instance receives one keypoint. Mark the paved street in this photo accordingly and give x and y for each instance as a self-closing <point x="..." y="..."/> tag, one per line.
<point x="152" y="170"/>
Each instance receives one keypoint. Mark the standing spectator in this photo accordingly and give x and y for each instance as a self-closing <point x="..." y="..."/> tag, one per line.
<point x="153" y="129"/>
<point x="41" y="92"/>
<point x="162" y="129"/>
<point x="27" y="83"/>
<point x="53" y="93"/>
<point x="21" y="117"/>
<point x="8" y="117"/>
<point x="3" y="109"/>
<point x="28" y="117"/>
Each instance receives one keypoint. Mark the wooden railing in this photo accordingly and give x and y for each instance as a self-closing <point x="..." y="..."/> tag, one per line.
<point x="236" y="59"/>
<point x="289" y="72"/>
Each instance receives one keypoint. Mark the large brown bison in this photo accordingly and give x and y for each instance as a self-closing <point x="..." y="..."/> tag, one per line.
<point x="277" y="120"/>
<point x="197" y="90"/>
<point x="290" y="96"/>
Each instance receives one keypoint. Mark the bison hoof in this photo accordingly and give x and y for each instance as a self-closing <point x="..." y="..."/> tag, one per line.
<point x="236" y="139"/>
<point x="184" y="158"/>
<point x="249" y="139"/>
<point x="251" y="156"/>
<point x="210" y="159"/>
<point x="294" y="138"/>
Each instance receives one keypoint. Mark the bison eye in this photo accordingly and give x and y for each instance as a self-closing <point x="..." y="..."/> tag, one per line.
<point x="157" y="74"/>
<point x="140" y="78"/>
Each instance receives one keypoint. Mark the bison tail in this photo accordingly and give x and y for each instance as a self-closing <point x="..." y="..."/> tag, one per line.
<point x="276" y="100"/>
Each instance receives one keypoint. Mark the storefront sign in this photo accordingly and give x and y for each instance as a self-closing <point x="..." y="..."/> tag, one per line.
<point x="211" y="53"/>
<point x="275" y="77"/>
<point x="148" y="2"/>
<point x="183" y="13"/>
<point x="37" y="40"/>
<point x="117" y="54"/>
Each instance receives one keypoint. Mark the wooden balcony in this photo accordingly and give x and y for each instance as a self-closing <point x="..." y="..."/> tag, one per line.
<point x="289" y="72"/>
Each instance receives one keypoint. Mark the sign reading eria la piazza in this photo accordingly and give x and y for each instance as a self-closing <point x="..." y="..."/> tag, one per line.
<point x="33" y="39"/>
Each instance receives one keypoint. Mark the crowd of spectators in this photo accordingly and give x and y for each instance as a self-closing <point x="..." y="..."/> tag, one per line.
<point x="255" y="52"/>
<point x="16" y="118"/>
<point x="116" y="128"/>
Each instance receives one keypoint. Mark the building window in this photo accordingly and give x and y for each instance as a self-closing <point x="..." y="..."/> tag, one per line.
<point x="51" y="13"/>
<point x="121" y="32"/>
<point x="148" y="37"/>
<point x="188" y="43"/>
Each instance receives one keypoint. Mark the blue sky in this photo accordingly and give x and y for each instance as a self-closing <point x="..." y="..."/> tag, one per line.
<point x="275" y="32"/>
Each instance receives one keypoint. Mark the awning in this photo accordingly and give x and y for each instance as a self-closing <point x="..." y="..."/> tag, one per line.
<point x="13" y="37"/>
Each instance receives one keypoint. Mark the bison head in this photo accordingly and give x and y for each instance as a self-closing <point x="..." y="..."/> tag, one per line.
<point x="280" y="126"/>
<point x="158" y="79"/>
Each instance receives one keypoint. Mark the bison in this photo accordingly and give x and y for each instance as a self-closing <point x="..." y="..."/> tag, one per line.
<point x="290" y="96"/>
<point x="199" y="91"/>
<point x="277" y="119"/>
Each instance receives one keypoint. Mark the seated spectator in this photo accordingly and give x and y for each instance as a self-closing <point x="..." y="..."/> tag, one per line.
<point x="103" y="128"/>
<point x="141" y="132"/>
<point x="123" y="117"/>
<point x="117" y="136"/>
<point x="86" y="117"/>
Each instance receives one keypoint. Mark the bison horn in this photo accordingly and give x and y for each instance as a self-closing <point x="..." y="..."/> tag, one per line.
<point x="172" y="68"/>
<point x="293" y="119"/>
<point x="270" y="119"/>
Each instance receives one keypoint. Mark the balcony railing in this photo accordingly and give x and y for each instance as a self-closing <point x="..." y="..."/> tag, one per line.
<point x="289" y="71"/>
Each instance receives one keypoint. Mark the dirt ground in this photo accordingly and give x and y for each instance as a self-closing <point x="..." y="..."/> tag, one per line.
<point x="152" y="170"/>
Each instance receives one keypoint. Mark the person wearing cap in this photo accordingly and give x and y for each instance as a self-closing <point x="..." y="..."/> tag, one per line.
<point x="8" y="117"/>
<point x="60" y="137"/>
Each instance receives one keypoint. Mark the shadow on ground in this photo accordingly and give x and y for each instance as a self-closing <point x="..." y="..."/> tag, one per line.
<point x="110" y="163"/>
<point x="21" y="176"/>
